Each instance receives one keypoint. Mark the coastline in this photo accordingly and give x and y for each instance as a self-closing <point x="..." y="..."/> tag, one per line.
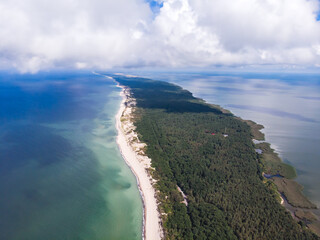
<point x="291" y="196"/>
<point x="180" y="111"/>
<point x="132" y="152"/>
<point x="290" y="192"/>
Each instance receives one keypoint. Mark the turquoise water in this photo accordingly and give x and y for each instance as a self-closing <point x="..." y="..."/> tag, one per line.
<point x="61" y="175"/>
<point x="288" y="105"/>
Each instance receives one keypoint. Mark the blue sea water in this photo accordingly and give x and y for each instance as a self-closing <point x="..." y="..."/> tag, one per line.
<point x="61" y="174"/>
<point x="287" y="104"/>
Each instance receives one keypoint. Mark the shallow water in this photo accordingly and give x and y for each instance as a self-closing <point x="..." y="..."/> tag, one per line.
<point x="61" y="173"/>
<point x="288" y="105"/>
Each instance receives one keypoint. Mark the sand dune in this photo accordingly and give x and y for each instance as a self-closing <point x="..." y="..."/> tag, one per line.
<point x="132" y="151"/>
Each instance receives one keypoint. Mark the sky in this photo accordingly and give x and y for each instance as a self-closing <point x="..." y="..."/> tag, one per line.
<point x="105" y="34"/>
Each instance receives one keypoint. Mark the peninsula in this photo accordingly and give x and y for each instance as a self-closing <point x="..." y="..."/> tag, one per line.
<point x="206" y="179"/>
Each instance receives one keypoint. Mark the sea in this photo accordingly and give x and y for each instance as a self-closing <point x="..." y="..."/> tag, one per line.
<point x="62" y="176"/>
<point x="286" y="104"/>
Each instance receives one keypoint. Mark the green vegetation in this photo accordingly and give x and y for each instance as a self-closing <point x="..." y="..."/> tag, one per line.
<point x="293" y="193"/>
<point x="273" y="164"/>
<point x="255" y="129"/>
<point x="221" y="176"/>
<point x="273" y="188"/>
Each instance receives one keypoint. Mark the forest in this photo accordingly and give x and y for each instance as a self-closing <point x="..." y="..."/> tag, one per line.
<point x="210" y="155"/>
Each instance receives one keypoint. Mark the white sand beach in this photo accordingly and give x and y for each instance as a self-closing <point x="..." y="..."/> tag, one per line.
<point x="132" y="151"/>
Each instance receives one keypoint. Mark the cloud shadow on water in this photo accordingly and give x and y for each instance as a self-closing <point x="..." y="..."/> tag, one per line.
<point x="310" y="98"/>
<point x="272" y="111"/>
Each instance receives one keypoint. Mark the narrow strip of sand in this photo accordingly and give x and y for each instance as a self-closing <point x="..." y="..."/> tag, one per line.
<point x="132" y="151"/>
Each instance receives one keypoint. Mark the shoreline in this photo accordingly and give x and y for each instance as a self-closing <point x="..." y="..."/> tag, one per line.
<point x="152" y="101"/>
<point x="131" y="150"/>
<point x="307" y="212"/>
<point x="290" y="191"/>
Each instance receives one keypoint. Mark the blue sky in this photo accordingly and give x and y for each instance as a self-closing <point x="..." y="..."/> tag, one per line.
<point x="155" y="6"/>
<point x="318" y="17"/>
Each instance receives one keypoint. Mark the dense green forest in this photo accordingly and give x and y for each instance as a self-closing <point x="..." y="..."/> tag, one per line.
<point x="221" y="175"/>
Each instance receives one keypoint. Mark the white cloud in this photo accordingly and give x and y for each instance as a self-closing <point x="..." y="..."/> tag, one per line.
<point x="285" y="31"/>
<point x="40" y="34"/>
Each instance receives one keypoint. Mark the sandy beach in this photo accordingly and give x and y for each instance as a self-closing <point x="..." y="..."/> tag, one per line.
<point x="132" y="151"/>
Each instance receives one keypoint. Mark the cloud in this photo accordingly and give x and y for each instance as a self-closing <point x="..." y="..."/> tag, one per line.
<point x="101" y="34"/>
